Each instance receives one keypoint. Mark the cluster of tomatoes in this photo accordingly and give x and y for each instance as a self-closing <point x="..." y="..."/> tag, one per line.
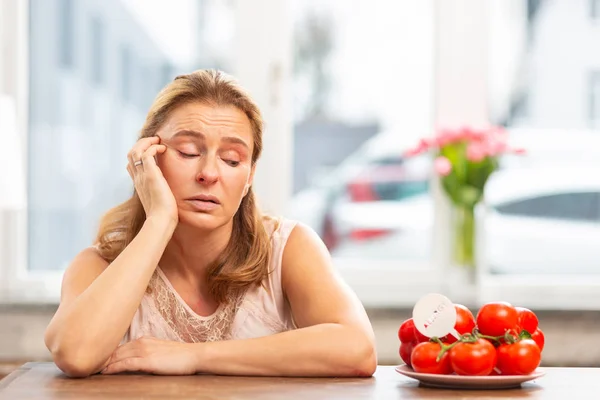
<point x="502" y="340"/>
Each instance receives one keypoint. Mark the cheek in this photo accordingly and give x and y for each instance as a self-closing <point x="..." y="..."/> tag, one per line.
<point x="175" y="174"/>
<point x="236" y="180"/>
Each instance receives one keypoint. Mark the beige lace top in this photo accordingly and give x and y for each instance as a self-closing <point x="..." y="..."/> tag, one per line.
<point x="164" y="315"/>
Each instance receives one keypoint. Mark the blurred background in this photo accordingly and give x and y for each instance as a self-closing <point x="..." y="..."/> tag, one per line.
<point x="345" y="87"/>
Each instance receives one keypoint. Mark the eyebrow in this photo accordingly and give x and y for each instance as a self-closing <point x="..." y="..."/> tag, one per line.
<point x="200" y="135"/>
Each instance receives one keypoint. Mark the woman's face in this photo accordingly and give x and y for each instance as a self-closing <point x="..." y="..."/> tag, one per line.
<point x="208" y="162"/>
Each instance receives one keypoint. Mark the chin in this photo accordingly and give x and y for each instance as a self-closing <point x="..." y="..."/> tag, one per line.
<point x="201" y="221"/>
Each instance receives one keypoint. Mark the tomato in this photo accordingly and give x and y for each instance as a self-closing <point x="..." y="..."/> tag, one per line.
<point x="538" y="337"/>
<point x="527" y="319"/>
<point x="406" y="352"/>
<point x="419" y="337"/>
<point x="406" y="333"/>
<point x="494" y="319"/>
<point x="478" y="358"/>
<point x="520" y="358"/>
<point x="465" y="322"/>
<point x="424" y="356"/>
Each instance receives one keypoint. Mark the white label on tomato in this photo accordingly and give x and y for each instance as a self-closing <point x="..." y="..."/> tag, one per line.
<point x="435" y="315"/>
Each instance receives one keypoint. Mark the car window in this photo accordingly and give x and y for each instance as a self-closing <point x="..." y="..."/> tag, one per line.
<point x="400" y="190"/>
<point x="391" y="179"/>
<point x="582" y="206"/>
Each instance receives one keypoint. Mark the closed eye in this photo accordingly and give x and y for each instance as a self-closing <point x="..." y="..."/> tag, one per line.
<point x="187" y="155"/>
<point x="232" y="163"/>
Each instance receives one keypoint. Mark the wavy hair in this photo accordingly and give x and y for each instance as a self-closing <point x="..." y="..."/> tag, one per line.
<point x="245" y="260"/>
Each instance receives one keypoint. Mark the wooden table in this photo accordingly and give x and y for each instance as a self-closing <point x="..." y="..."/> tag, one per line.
<point x="45" y="381"/>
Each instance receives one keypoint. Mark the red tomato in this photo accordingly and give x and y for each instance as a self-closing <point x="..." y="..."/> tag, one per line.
<point x="527" y="319"/>
<point x="424" y="356"/>
<point x="406" y="352"/>
<point x="406" y="333"/>
<point x="520" y="358"/>
<point x="465" y="322"/>
<point x="478" y="358"/>
<point x="419" y="337"/>
<point x="538" y="337"/>
<point x="494" y="319"/>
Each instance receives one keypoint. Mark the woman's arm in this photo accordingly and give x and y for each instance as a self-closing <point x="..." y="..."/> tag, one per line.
<point x="335" y="337"/>
<point x="98" y="301"/>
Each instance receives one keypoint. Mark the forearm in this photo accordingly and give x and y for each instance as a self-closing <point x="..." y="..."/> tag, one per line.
<point x="90" y="328"/>
<point x="320" y="350"/>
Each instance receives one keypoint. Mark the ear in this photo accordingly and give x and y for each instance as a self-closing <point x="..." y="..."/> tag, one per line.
<point x="250" y="180"/>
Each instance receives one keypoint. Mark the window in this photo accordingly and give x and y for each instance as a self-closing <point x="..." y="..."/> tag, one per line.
<point x="66" y="32"/>
<point x="166" y="74"/>
<point x="349" y="126"/>
<point x="594" y="98"/>
<point x="540" y="247"/>
<point x="343" y="148"/>
<point x="97" y="56"/>
<point x="74" y="164"/>
<point x="594" y="9"/>
<point x="126" y="74"/>
<point x="567" y="206"/>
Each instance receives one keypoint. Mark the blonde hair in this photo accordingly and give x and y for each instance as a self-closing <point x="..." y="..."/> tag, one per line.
<point x="245" y="260"/>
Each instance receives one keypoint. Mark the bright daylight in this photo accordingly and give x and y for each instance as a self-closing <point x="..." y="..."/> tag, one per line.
<point x="299" y="199"/>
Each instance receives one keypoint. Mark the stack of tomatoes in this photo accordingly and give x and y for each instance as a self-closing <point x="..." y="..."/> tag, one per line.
<point x="503" y="339"/>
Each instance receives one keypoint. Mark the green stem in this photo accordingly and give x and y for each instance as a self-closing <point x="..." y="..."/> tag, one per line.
<point x="465" y="236"/>
<point x="445" y="347"/>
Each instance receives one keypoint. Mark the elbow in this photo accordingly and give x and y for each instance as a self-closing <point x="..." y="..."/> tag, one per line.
<point x="73" y="367"/>
<point x="367" y="363"/>
<point x="73" y="362"/>
<point x="362" y="362"/>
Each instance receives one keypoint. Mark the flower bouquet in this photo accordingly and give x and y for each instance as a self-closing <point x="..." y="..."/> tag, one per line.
<point x="464" y="160"/>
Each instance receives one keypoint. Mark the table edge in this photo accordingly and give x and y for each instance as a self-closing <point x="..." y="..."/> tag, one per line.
<point x="5" y="382"/>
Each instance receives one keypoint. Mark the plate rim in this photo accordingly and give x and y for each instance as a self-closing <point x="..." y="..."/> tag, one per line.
<point x="405" y="370"/>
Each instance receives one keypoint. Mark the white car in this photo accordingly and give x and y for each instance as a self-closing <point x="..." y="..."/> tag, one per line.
<point x="314" y="205"/>
<point x="537" y="220"/>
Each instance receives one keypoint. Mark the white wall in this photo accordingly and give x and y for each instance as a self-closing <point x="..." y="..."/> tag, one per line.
<point x="565" y="50"/>
<point x="262" y="64"/>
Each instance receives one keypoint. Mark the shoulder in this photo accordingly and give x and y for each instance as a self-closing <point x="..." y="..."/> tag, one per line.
<point x="304" y="252"/>
<point x="292" y="235"/>
<point x="302" y="238"/>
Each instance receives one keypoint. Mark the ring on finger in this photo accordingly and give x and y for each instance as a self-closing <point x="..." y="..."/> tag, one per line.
<point x="138" y="162"/>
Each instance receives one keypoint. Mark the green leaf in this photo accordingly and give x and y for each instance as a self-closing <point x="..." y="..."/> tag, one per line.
<point x="525" y="335"/>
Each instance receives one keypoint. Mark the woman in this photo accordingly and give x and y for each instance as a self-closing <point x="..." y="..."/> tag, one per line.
<point x="188" y="277"/>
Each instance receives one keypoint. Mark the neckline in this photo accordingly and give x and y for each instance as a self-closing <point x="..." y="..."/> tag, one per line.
<point x="182" y="302"/>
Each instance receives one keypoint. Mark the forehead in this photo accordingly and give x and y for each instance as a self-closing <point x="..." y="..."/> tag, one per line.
<point x="208" y="119"/>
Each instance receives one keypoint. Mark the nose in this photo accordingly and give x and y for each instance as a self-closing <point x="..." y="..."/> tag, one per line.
<point x="208" y="172"/>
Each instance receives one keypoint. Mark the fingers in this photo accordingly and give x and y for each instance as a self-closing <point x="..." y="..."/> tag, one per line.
<point x="128" y="364"/>
<point x="147" y="159"/>
<point x="136" y="348"/>
<point x="128" y="350"/>
<point x="138" y="149"/>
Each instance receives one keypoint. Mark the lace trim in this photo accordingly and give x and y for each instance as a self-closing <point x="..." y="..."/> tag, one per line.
<point x="270" y="322"/>
<point x="187" y="325"/>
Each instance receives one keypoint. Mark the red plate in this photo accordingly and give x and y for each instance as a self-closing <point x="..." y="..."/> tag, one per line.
<point x="469" y="382"/>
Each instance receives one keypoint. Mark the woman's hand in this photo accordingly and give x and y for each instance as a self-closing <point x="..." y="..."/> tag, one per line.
<point x="153" y="356"/>
<point x="152" y="188"/>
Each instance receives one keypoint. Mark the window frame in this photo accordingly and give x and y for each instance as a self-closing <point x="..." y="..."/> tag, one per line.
<point x="384" y="284"/>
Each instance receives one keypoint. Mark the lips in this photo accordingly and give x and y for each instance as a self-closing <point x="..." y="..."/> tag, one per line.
<point x="205" y="198"/>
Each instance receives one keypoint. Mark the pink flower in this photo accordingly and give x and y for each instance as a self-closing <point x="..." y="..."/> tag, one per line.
<point x="442" y="166"/>
<point x="423" y="146"/>
<point x="445" y="136"/>
<point x="476" y="151"/>
<point x="494" y="147"/>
